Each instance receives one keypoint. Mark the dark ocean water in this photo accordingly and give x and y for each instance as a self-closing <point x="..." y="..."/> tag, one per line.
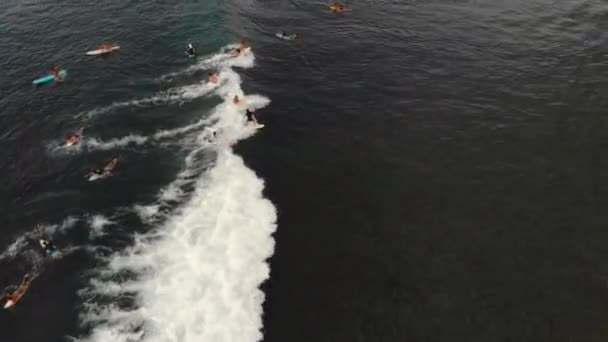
<point x="437" y="169"/>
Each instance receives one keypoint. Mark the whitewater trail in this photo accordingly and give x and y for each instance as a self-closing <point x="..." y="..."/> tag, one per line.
<point x="179" y="95"/>
<point x="195" y="277"/>
<point x="46" y="231"/>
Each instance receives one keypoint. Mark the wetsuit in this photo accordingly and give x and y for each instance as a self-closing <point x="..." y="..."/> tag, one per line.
<point x="190" y="50"/>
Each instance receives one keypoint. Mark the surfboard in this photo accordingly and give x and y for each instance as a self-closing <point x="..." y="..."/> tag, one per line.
<point x="258" y="126"/>
<point x="102" y="51"/>
<point x="8" y="304"/>
<point x="286" y="36"/>
<point x="94" y="176"/>
<point x="71" y="143"/>
<point x="50" y="78"/>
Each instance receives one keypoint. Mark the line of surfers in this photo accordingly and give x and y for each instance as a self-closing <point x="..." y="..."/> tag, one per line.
<point x="105" y="171"/>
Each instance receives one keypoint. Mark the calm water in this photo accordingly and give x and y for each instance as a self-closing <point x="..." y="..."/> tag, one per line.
<point x="434" y="171"/>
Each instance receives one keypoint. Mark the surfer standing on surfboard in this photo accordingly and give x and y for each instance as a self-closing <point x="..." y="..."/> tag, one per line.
<point x="13" y="297"/>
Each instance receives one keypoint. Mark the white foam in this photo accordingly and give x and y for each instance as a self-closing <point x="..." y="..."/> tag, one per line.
<point x="98" y="223"/>
<point x="183" y="93"/>
<point x="97" y="144"/>
<point x="147" y="213"/>
<point x="199" y="281"/>
<point x="172" y="95"/>
<point x="14" y="248"/>
<point x="195" y="277"/>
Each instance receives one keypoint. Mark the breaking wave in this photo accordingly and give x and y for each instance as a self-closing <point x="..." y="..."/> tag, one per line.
<point x="195" y="276"/>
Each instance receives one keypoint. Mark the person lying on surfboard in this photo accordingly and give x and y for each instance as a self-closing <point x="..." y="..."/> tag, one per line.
<point x="286" y="36"/>
<point x="13" y="297"/>
<point x="212" y="78"/>
<point x="106" y="47"/>
<point x="104" y="172"/>
<point x="55" y="71"/>
<point x="336" y="7"/>
<point x="74" y="138"/>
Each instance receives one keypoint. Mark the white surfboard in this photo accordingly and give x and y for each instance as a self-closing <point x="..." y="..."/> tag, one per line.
<point x="8" y="304"/>
<point x="258" y="126"/>
<point x="71" y="143"/>
<point x="285" y="36"/>
<point x="102" y="51"/>
<point x="94" y="176"/>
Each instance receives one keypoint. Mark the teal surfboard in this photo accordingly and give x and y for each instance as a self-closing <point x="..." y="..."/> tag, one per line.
<point x="50" y="78"/>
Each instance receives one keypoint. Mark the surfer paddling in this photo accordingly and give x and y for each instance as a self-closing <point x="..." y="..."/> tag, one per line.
<point x="13" y="298"/>
<point x="212" y="78"/>
<point x="103" y="172"/>
<point x="336" y="7"/>
<point x="107" y="47"/>
<point x="74" y="138"/>
<point x="55" y="72"/>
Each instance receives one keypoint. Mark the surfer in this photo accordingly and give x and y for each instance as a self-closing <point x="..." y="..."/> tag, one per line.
<point x="336" y="7"/>
<point x="190" y="51"/>
<point x="287" y="36"/>
<point x="13" y="297"/>
<point x="74" y="138"/>
<point x="103" y="172"/>
<point x="236" y="99"/>
<point x="212" y="78"/>
<point x="250" y="117"/>
<point x="48" y="246"/>
<point x="212" y="137"/>
<point x="55" y="71"/>
<point x="241" y="49"/>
